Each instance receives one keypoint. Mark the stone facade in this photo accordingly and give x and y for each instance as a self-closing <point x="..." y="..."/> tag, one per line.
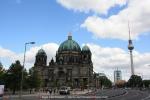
<point x="73" y="67"/>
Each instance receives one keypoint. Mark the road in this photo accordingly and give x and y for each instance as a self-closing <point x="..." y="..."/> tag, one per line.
<point x="133" y="95"/>
<point x="117" y="94"/>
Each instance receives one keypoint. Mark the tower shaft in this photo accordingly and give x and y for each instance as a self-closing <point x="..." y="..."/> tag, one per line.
<point x="132" y="67"/>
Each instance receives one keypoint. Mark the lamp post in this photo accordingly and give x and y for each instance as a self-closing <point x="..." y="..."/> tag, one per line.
<point x="21" y="83"/>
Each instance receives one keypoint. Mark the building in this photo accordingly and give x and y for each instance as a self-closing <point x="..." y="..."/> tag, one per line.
<point x="102" y="74"/>
<point x="72" y="66"/>
<point x="117" y="75"/>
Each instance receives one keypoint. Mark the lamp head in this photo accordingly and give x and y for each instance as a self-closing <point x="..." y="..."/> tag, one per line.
<point x="31" y="42"/>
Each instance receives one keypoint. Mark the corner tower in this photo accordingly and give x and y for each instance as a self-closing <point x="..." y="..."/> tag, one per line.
<point x="41" y="58"/>
<point x="86" y="55"/>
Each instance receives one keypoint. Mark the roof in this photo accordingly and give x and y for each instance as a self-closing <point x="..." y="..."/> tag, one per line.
<point x="86" y="49"/>
<point x="69" y="45"/>
<point x="41" y="52"/>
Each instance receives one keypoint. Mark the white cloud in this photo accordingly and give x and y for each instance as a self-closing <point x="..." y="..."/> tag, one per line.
<point x="96" y="6"/>
<point x="50" y="49"/>
<point x="105" y="59"/>
<point x="116" y="26"/>
<point x="6" y="52"/>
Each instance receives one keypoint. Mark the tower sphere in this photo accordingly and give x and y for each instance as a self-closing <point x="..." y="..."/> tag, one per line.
<point x="130" y="46"/>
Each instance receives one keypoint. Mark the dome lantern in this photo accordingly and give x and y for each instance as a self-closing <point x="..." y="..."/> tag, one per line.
<point x="70" y="36"/>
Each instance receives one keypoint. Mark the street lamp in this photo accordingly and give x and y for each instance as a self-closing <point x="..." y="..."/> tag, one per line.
<point x="21" y="83"/>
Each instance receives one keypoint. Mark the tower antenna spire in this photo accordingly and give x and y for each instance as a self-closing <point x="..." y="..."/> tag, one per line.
<point x="129" y="30"/>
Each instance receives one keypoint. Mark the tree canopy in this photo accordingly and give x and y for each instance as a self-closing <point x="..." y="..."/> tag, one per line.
<point x="146" y="83"/>
<point x="135" y="81"/>
<point x="34" y="79"/>
<point x="2" y="73"/>
<point x="13" y="76"/>
<point x="105" y="81"/>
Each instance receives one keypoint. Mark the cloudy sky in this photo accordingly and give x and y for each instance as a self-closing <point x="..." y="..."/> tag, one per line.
<point x="101" y="24"/>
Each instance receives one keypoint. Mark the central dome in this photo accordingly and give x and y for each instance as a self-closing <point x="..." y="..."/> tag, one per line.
<point x="69" y="45"/>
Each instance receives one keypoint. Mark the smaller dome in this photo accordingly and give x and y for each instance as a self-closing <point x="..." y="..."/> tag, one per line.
<point x="41" y="52"/>
<point x="86" y="48"/>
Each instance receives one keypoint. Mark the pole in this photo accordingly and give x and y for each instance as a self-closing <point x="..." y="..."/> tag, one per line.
<point x="21" y="85"/>
<point x="24" y="58"/>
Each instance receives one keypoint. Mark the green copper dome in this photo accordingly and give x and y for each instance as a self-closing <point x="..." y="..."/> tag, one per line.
<point x="86" y="49"/>
<point x="41" y="52"/>
<point x="69" y="45"/>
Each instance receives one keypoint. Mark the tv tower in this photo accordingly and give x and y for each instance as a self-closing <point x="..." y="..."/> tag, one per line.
<point x="131" y="47"/>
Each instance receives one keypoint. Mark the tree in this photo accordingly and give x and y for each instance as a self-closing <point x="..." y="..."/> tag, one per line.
<point x="105" y="81"/>
<point x="146" y="83"/>
<point x="2" y="74"/>
<point x="1" y="66"/>
<point x="13" y="76"/>
<point x="34" y="79"/>
<point x="135" y="81"/>
<point x="120" y="83"/>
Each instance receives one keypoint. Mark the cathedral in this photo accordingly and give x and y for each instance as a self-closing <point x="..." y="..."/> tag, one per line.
<point x="72" y="66"/>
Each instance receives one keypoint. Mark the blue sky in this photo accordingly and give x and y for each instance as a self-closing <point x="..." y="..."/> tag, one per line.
<point x="47" y="21"/>
<point x="34" y="20"/>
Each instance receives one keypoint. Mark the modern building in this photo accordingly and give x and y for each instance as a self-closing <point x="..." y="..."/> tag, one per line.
<point x="102" y="74"/>
<point x="72" y="66"/>
<point x="117" y="75"/>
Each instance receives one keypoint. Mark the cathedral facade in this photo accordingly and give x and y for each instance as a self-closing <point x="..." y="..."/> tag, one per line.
<point x="72" y="66"/>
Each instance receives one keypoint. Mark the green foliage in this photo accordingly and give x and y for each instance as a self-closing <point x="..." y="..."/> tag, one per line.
<point x="34" y="79"/>
<point x="146" y="83"/>
<point x="135" y="81"/>
<point x="13" y="76"/>
<point x="105" y="81"/>
<point x="1" y="66"/>
<point x="2" y="73"/>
